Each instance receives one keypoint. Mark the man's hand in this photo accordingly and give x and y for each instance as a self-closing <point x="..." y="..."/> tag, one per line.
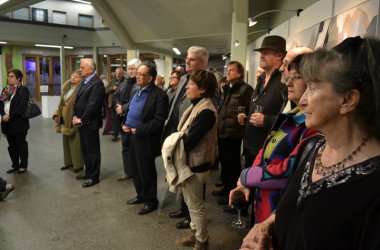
<point x="126" y="129"/>
<point x="77" y="121"/>
<point x="119" y="109"/>
<point x="257" y="119"/>
<point x="5" y="118"/>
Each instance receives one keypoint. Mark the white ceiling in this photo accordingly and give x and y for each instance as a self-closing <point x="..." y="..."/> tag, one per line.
<point x="159" y="25"/>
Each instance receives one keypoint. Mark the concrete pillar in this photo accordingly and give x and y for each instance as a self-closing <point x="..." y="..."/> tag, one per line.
<point x="131" y="54"/>
<point x="63" y="66"/>
<point x="239" y="31"/>
<point x="169" y="68"/>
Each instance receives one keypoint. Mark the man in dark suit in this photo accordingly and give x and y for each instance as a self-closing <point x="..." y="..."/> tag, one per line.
<point x="119" y="104"/>
<point x="145" y="117"/>
<point x="88" y="118"/>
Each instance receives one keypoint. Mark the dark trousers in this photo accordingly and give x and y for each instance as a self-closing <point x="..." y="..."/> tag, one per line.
<point x="229" y="157"/>
<point x="116" y="123"/>
<point x="18" y="150"/>
<point x="144" y="169"/>
<point x="90" y="144"/>
<point x="3" y="185"/>
<point x="125" y="153"/>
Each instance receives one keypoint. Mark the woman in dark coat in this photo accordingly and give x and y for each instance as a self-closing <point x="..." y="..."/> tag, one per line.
<point x="13" y="104"/>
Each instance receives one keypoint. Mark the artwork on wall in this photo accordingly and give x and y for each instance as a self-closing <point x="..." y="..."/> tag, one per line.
<point x="358" y="21"/>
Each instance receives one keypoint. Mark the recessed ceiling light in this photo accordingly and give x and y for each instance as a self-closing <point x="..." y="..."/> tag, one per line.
<point x="82" y="1"/>
<point x="53" y="46"/>
<point x="176" y="51"/>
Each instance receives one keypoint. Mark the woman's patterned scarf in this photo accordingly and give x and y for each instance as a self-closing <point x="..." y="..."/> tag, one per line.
<point x="8" y="92"/>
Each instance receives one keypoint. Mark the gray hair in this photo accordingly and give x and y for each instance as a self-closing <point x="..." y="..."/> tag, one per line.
<point x="136" y="62"/>
<point x="89" y="62"/>
<point x="201" y="52"/>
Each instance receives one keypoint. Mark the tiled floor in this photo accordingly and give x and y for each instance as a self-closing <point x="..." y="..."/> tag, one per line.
<point x="49" y="209"/>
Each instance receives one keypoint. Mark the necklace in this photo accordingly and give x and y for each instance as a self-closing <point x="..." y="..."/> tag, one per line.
<point x="320" y="169"/>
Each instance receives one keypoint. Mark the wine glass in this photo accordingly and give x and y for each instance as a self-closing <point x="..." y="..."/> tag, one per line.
<point x="239" y="203"/>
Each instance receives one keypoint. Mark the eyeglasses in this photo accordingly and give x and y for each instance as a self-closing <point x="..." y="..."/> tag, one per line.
<point x="10" y="76"/>
<point x="292" y="78"/>
<point x="142" y="75"/>
<point x="173" y="77"/>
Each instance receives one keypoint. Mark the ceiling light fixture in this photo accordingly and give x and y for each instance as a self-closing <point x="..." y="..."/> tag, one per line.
<point x="1" y="42"/>
<point x="252" y="20"/>
<point x="236" y="43"/>
<point x="3" y="1"/>
<point x="82" y="1"/>
<point x="53" y="46"/>
<point x="176" y="50"/>
<point x="226" y="55"/>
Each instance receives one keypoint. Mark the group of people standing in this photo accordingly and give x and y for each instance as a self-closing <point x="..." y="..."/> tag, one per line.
<point x="302" y="169"/>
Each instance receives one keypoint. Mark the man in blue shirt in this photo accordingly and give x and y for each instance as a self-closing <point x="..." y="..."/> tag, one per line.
<point x="145" y="117"/>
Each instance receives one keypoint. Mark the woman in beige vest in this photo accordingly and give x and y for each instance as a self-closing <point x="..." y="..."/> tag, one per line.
<point x="199" y="125"/>
<point x="72" y="153"/>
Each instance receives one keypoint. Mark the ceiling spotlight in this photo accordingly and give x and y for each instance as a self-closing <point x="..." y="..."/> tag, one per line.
<point x="176" y="50"/>
<point x="236" y="43"/>
<point x="226" y="55"/>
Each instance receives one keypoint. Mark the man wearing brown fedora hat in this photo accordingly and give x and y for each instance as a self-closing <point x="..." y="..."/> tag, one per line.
<point x="268" y="98"/>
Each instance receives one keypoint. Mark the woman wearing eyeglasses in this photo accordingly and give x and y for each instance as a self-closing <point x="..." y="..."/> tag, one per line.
<point x="273" y="165"/>
<point x="13" y="105"/>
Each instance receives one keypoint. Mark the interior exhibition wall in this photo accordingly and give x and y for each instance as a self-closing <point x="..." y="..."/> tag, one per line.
<point x="324" y="24"/>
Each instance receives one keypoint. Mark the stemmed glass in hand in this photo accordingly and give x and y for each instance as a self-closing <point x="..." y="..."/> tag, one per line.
<point x="239" y="203"/>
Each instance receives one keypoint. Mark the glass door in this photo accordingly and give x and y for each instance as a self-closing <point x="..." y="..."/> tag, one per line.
<point x="44" y="76"/>
<point x="30" y="77"/>
<point x="56" y="90"/>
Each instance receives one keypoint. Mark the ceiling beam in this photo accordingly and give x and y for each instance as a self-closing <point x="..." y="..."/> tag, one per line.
<point x="114" y="23"/>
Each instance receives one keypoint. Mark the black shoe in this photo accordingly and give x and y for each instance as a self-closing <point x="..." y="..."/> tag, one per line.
<point x="89" y="183"/>
<point x="8" y="188"/>
<point x="221" y="192"/>
<point x="230" y="210"/>
<point x="223" y="200"/>
<point x="12" y="169"/>
<point x="135" y="201"/>
<point x="81" y="177"/>
<point x="114" y="138"/>
<point x="218" y="183"/>
<point x="77" y="170"/>
<point x="66" y="167"/>
<point x="184" y="224"/>
<point x="147" y="209"/>
<point x="178" y="214"/>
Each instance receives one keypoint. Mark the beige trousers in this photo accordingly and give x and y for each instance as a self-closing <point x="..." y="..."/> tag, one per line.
<point x="192" y="190"/>
<point x="72" y="152"/>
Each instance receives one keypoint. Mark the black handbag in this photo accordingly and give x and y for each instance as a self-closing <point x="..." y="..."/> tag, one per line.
<point x="32" y="110"/>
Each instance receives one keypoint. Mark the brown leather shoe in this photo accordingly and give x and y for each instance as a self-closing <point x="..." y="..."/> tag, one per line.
<point x="201" y="246"/>
<point x="188" y="240"/>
